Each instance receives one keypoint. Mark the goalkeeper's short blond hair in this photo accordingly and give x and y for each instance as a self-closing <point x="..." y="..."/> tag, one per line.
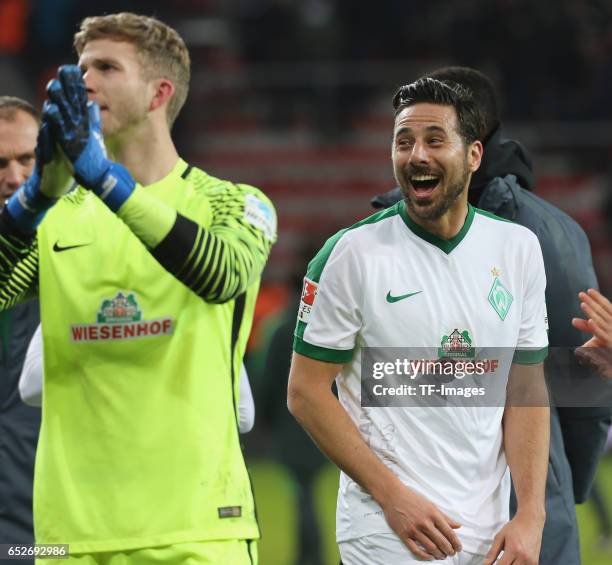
<point x="161" y="49"/>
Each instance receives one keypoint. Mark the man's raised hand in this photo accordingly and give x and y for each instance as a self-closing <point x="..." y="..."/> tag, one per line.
<point x="77" y="128"/>
<point x="597" y="351"/>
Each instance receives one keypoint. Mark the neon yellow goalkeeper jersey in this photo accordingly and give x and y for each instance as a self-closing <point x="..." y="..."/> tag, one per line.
<point x="139" y="443"/>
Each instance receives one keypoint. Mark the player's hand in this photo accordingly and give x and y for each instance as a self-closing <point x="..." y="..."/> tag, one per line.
<point x="425" y="530"/>
<point x="56" y="179"/>
<point x="520" y="540"/>
<point x="77" y="128"/>
<point x="596" y="351"/>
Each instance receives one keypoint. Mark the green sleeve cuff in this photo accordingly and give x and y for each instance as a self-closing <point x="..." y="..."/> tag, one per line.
<point x="148" y="217"/>
<point x="321" y="353"/>
<point x="530" y="356"/>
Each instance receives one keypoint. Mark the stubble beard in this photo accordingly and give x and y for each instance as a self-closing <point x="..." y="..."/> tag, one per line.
<point x="423" y="211"/>
<point x="120" y="126"/>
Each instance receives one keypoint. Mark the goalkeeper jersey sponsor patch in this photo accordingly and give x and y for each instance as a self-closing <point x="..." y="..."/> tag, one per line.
<point x="121" y="318"/>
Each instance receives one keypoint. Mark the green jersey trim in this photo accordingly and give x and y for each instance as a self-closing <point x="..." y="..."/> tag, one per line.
<point x="446" y="245"/>
<point x="492" y="216"/>
<point x="321" y="353"/>
<point x="530" y="356"/>
<point x="317" y="264"/>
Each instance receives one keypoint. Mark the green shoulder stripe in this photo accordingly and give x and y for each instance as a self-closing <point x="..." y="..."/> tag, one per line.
<point x="317" y="264"/>
<point x="492" y="216"/>
<point x="315" y="268"/>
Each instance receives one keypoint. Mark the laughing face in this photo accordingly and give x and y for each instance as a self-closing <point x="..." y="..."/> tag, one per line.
<point x="431" y="161"/>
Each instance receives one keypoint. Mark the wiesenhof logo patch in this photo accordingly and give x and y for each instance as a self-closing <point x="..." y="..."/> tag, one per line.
<point x="120" y="318"/>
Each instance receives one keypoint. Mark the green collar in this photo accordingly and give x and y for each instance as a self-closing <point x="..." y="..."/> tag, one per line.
<point x="446" y="245"/>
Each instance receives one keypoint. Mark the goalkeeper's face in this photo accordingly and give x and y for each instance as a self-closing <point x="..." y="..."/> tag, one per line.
<point x="17" y="145"/>
<point x="114" y="78"/>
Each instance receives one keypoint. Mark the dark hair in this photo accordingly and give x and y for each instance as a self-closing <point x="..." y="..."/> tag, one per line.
<point x="433" y="91"/>
<point x="9" y="105"/>
<point x="482" y="89"/>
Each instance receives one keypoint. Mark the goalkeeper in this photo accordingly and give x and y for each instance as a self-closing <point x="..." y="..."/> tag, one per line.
<point x="147" y="275"/>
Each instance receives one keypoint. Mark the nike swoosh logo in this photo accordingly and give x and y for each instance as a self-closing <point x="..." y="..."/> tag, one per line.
<point x="392" y="299"/>
<point x="58" y="248"/>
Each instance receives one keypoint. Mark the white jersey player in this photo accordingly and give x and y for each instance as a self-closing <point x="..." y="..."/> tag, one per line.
<point x="431" y="274"/>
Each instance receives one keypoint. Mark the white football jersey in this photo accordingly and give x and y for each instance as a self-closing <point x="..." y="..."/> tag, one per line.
<point x="387" y="283"/>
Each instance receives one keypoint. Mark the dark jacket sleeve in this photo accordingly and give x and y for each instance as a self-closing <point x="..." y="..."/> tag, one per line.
<point x="569" y="269"/>
<point x="584" y="434"/>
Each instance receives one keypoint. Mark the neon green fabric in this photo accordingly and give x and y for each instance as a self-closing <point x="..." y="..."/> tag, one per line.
<point x="234" y="552"/>
<point x="139" y="444"/>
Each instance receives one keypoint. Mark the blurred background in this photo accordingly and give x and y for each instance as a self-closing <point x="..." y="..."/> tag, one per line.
<point x="295" y="98"/>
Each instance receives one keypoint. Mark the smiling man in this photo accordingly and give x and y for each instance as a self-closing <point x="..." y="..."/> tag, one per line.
<point x="504" y="185"/>
<point x="426" y="482"/>
<point x="147" y="274"/>
<point x="431" y="180"/>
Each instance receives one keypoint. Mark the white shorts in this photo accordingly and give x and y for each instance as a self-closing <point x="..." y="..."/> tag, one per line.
<point x="388" y="549"/>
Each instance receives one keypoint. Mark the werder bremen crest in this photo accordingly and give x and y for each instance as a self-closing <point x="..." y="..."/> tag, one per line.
<point x="456" y="345"/>
<point x="500" y="298"/>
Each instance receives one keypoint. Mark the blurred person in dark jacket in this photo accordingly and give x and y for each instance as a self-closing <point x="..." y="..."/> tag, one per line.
<point x="291" y="444"/>
<point x="503" y="185"/>
<point x="19" y="423"/>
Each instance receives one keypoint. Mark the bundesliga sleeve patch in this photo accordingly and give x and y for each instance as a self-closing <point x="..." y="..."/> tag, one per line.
<point x="309" y="292"/>
<point x="261" y="215"/>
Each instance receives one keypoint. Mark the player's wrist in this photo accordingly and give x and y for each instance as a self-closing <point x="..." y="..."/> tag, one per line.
<point x="56" y="179"/>
<point x="92" y="164"/>
<point x="534" y="513"/>
<point x="385" y="487"/>
<point x="28" y="206"/>
<point x="115" y="187"/>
